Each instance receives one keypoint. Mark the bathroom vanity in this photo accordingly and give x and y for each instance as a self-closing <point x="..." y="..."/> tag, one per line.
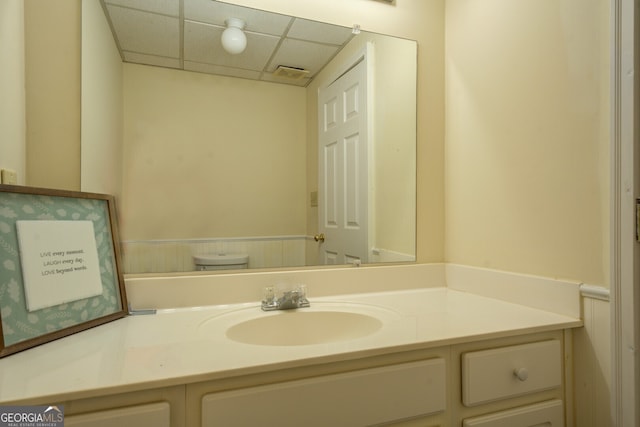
<point x="438" y="356"/>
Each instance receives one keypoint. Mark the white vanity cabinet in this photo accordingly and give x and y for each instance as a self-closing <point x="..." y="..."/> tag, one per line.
<point x="505" y="382"/>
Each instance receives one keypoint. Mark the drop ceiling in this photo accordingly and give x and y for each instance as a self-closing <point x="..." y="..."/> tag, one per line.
<point x="185" y="34"/>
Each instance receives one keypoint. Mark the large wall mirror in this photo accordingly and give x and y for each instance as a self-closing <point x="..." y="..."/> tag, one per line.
<point x="220" y="154"/>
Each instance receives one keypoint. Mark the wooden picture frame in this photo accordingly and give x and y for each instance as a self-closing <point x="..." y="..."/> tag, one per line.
<point x="55" y="298"/>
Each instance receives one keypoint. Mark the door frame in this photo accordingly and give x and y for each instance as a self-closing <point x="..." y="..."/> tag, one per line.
<point x="625" y="189"/>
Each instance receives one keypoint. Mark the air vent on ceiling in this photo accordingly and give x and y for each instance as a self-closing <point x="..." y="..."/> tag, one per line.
<point x="293" y="73"/>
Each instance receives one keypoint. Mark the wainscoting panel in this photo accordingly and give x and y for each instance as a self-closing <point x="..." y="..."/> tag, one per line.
<point x="592" y="360"/>
<point x="166" y="256"/>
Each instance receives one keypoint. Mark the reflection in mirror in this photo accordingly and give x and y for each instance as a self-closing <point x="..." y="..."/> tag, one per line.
<point x="220" y="152"/>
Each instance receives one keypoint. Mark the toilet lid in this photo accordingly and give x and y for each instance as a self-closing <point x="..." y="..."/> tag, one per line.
<point x="220" y="259"/>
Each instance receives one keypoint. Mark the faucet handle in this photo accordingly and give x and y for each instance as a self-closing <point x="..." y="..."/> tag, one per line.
<point x="269" y="296"/>
<point x="302" y="296"/>
<point x="293" y="298"/>
<point x="302" y="291"/>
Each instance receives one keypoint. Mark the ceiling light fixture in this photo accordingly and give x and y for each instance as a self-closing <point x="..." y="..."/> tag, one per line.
<point x="233" y="38"/>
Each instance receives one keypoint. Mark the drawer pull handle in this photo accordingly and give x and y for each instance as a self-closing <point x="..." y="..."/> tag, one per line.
<point x="521" y="373"/>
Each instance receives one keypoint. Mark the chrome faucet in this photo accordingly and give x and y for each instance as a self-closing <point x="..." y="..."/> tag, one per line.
<point x="296" y="298"/>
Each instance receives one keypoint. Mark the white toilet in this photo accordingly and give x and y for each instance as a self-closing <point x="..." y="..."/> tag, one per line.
<point x="207" y="262"/>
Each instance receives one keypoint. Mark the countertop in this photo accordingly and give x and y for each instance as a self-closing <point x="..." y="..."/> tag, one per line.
<point x="178" y="346"/>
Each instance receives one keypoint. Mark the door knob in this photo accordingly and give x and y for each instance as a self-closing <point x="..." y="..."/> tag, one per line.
<point x="319" y="237"/>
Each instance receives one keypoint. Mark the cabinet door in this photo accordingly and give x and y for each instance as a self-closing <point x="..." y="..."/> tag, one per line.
<point x="367" y="397"/>
<point x="545" y="414"/>
<point x="151" y="415"/>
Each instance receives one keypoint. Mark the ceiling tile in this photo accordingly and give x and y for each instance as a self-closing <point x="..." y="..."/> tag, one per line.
<point x="145" y="32"/>
<point x="219" y="70"/>
<point x="319" y="32"/>
<point x="186" y="34"/>
<point x="159" y="61"/>
<point x="202" y="44"/>
<point x="166" y="7"/>
<point x="215" y="12"/>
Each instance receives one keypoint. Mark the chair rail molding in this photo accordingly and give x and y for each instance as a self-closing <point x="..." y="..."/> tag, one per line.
<point x="594" y="292"/>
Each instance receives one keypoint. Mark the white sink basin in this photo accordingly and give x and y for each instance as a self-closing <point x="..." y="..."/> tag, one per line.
<point x="304" y="328"/>
<point x="322" y="323"/>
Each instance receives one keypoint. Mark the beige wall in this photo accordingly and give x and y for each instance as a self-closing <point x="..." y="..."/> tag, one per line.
<point x="211" y="156"/>
<point x="52" y="78"/>
<point x="12" y="100"/>
<point x="527" y="112"/>
<point x="101" y="154"/>
<point x="395" y="144"/>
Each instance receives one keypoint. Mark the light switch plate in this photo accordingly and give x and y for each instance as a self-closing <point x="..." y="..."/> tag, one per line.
<point x="9" y="176"/>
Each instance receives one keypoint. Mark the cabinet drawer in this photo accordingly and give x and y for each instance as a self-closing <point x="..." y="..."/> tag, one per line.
<point x="367" y="397"/>
<point x="151" y="415"/>
<point x="505" y="372"/>
<point x="549" y="414"/>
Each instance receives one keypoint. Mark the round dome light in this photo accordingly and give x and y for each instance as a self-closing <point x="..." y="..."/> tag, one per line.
<point x="233" y="38"/>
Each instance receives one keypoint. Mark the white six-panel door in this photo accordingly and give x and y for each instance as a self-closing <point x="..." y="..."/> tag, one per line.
<point x="343" y="182"/>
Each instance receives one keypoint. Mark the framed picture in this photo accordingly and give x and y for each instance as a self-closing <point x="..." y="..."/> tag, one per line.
<point x="60" y="269"/>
